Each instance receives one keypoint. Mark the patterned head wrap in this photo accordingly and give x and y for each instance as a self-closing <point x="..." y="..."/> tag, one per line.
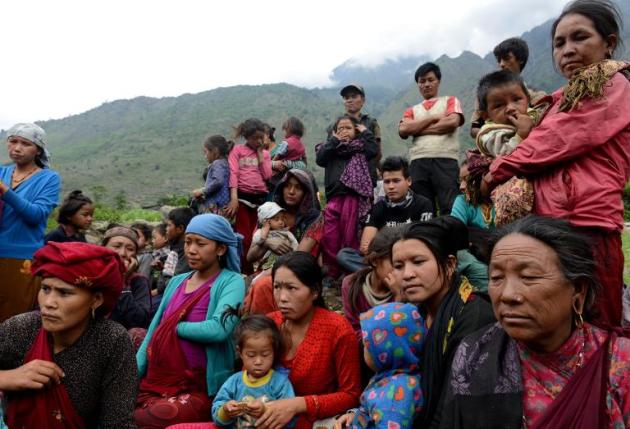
<point x="34" y="134"/>
<point x="83" y="265"/>
<point x="121" y="231"/>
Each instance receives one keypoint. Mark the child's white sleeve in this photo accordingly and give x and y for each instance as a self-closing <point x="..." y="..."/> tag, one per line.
<point x="170" y="264"/>
<point x="256" y="238"/>
<point x="282" y="149"/>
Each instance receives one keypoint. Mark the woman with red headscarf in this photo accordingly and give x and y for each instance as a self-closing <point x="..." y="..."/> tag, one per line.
<point x="67" y="366"/>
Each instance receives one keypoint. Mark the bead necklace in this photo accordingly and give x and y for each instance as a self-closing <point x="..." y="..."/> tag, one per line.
<point x="16" y="182"/>
<point x="577" y="365"/>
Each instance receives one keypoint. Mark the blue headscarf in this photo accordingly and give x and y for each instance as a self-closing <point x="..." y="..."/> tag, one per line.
<point x="217" y="228"/>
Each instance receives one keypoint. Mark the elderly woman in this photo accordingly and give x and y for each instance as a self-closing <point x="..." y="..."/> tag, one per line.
<point x="133" y="309"/>
<point x="541" y="366"/>
<point x="578" y="158"/>
<point x="424" y="261"/>
<point x="67" y="365"/>
<point x="188" y="351"/>
<point x="29" y="191"/>
<point x="323" y="368"/>
<point x="296" y="194"/>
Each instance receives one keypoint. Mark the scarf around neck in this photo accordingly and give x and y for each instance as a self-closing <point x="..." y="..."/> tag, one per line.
<point x="401" y="204"/>
<point x="356" y="174"/>
<point x="370" y="297"/>
<point x="590" y="82"/>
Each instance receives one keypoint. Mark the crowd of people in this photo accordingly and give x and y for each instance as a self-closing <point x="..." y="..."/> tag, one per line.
<point x="483" y="292"/>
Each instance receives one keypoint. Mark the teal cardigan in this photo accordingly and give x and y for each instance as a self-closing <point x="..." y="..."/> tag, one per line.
<point x="228" y="290"/>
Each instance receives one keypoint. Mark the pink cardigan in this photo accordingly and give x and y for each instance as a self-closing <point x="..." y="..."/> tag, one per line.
<point x="246" y="173"/>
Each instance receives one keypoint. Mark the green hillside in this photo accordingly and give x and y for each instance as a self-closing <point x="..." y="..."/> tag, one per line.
<point x="146" y="148"/>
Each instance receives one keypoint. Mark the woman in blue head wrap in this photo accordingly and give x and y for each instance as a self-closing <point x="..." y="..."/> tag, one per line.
<point x="188" y="352"/>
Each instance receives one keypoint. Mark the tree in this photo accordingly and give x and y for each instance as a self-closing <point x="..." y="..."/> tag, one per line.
<point x="99" y="192"/>
<point x="120" y="201"/>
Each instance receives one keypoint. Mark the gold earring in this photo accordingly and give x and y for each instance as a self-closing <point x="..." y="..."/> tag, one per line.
<point x="93" y="313"/>
<point x="579" y="320"/>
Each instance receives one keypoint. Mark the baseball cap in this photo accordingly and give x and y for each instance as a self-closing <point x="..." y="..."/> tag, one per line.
<point x="352" y="87"/>
<point x="268" y="210"/>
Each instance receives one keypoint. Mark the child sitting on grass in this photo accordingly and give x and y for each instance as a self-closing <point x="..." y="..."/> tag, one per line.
<point x="393" y="336"/>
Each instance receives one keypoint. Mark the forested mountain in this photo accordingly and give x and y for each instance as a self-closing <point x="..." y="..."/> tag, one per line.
<point x="150" y="147"/>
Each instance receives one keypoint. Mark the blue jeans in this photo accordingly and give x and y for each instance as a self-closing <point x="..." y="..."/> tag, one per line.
<point x="350" y="260"/>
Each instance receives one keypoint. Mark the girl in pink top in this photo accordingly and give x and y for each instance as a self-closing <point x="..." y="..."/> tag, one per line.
<point x="250" y="167"/>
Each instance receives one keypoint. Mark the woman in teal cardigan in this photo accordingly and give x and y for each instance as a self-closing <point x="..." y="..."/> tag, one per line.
<point x="188" y="352"/>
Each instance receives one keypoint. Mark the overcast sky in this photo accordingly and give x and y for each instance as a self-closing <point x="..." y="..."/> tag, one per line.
<point x="65" y="57"/>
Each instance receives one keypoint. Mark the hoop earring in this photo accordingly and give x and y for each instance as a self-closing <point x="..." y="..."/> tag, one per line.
<point x="579" y="320"/>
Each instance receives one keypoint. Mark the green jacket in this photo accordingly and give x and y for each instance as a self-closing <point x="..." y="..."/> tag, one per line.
<point x="228" y="290"/>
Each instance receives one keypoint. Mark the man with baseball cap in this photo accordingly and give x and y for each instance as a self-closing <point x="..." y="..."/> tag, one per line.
<point x="353" y="99"/>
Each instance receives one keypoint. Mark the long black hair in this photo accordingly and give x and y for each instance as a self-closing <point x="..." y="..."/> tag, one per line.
<point x="379" y="248"/>
<point x="604" y="14"/>
<point x="71" y="205"/>
<point x="444" y="236"/>
<point x="248" y="128"/>
<point x="305" y="267"/>
<point x="219" y="143"/>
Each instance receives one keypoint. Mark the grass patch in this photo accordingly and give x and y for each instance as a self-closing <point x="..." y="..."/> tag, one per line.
<point x="113" y="215"/>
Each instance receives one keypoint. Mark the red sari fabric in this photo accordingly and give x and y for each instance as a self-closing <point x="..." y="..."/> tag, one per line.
<point x="168" y="373"/>
<point x="171" y="392"/>
<point x="581" y="385"/>
<point x="259" y="298"/>
<point x="47" y="408"/>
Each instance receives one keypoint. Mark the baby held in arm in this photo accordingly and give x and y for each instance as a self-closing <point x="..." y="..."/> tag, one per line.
<point x="504" y="105"/>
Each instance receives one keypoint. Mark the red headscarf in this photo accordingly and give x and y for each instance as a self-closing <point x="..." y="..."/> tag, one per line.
<point x="82" y="265"/>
